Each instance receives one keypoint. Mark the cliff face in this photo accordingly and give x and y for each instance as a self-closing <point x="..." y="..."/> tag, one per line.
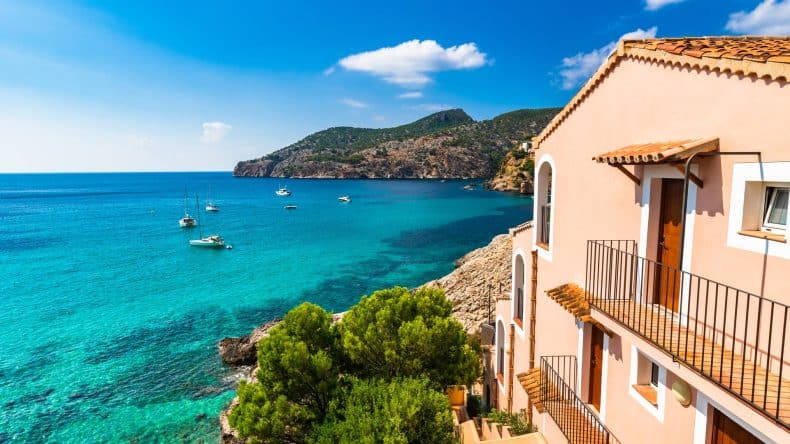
<point x="468" y="285"/>
<point x="517" y="173"/>
<point x="447" y="145"/>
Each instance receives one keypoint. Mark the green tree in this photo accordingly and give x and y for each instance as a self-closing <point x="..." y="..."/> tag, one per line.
<point x="393" y="333"/>
<point x="400" y="411"/>
<point x="297" y="378"/>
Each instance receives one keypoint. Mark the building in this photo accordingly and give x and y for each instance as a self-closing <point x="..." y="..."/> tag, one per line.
<point x="650" y="294"/>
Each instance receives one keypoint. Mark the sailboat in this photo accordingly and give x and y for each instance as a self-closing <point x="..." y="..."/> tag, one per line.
<point x="210" y="205"/>
<point x="283" y="191"/>
<point x="187" y="221"/>
<point x="212" y="241"/>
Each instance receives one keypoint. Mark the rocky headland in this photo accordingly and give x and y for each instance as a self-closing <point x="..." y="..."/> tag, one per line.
<point x="478" y="274"/>
<point x="444" y="145"/>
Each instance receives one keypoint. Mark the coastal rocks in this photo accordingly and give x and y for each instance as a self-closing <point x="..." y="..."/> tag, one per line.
<point x="468" y="285"/>
<point x="243" y="350"/>
<point x="229" y="435"/>
<point x="515" y="174"/>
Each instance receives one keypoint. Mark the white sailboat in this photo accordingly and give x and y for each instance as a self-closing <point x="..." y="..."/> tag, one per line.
<point x="187" y="221"/>
<point x="283" y="191"/>
<point x="212" y="241"/>
<point x="210" y="205"/>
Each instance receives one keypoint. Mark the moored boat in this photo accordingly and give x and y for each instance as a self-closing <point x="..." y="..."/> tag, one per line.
<point x="290" y="207"/>
<point x="345" y="199"/>
<point x="213" y="241"/>
<point x="283" y="191"/>
<point x="210" y="205"/>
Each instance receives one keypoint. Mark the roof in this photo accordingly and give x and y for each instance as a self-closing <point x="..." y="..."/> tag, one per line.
<point x="658" y="152"/>
<point x="761" y="57"/>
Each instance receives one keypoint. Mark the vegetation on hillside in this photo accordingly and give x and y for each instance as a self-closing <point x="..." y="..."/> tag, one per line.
<point x="445" y="144"/>
<point x="340" y="143"/>
<point x="382" y="368"/>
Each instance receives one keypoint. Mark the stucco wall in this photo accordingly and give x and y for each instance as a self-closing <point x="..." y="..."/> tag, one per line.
<point x="650" y="102"/>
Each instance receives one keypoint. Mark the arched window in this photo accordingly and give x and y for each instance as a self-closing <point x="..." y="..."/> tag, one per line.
<point x="543" y="200"/>
<point x="500" y="349"/>
<point x="518" y="285"/>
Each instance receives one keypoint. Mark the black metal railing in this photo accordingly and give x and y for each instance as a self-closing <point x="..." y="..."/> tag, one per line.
<point x="558" y="394"/>
<point x="545" y="226"/>
<point x="732" y="337"/>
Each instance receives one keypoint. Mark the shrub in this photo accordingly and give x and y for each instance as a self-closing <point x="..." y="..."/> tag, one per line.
<point x="393" y="333"/>
<point x="399" y="411"/>
<point x="297" y="378"/>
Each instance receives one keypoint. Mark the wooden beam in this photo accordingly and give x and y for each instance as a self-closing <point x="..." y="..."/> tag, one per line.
<point x="630" y="175"/>
<point x="692" y="177"/>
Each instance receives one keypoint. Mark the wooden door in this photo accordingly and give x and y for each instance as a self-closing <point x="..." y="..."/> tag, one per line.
<point x="596" y="367"/>
<point x="727" y="431"/>
<point x="667" y="276"/>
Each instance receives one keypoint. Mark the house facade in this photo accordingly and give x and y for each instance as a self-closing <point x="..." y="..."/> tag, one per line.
<point x="650" y="293"/>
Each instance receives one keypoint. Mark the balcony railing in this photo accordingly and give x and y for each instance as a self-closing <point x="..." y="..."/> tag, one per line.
<point x="577" y="421"/>
<point x="734" y="338"/>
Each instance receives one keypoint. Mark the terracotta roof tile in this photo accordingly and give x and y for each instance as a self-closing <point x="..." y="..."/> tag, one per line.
<point x="762" y="57"/>
<point x="657" y="152"/>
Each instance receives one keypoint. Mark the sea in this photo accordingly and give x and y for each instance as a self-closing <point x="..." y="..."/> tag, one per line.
<point x="109" y="319"/>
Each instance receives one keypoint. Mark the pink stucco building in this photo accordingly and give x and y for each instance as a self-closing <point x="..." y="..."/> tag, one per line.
<point x="650" y="294"/>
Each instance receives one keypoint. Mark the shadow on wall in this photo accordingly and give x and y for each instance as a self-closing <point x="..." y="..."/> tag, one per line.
<point x="710" y="199"/>
<point x="616" y="348"/>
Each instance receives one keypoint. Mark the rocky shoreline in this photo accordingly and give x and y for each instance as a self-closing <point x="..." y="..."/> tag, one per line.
<point x="478" y="274"/>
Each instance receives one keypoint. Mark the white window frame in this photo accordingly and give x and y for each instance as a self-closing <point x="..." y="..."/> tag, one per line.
<point x="661" y="390"/>
<point x="743" y="173"/>
<point x="774" y="187"/>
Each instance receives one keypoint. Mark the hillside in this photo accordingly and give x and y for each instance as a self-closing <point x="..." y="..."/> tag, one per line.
<point x="447" y="144"/>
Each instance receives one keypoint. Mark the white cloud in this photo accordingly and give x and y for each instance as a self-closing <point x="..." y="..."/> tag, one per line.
<point x="353" y="103"/>
<point x="653" y="5"/>
<point x="411" y="63"/>
<point x="329" y="71"/>
<point x="410" y="95"/>
<point x="433" y="107"/>
<point x="213" y="132"/>
<point x="768" y="18"/>
<point x="578" y="68"/>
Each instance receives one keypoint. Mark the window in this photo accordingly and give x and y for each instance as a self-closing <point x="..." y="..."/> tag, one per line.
<point x="646" y="381"/>
<point x="654" y="374"/>
<point x="518" y="296"/>
<point x="775" y="213"/>
<point x="500" y="352"/>
<point x="544" y="200"/>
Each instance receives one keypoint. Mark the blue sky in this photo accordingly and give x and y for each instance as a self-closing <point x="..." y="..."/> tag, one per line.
<point x="152" y="85"/>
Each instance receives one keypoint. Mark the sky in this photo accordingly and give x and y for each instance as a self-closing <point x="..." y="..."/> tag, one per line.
<point x="197" y="86"/>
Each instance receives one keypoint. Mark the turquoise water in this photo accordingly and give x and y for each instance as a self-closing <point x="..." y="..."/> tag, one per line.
<point x="110" y="319"/>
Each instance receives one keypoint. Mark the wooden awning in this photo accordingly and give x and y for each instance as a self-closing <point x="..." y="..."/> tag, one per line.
<point x="659" y="152"/>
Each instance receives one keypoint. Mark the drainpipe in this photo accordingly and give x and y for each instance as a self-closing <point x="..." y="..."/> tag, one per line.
<point x="686" y="172"/>
<point x="533" y="303"/>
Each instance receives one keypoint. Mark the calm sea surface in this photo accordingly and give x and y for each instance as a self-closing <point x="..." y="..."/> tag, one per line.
<point x="109" y="320"/>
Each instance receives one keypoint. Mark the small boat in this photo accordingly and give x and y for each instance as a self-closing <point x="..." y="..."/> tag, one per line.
<point x="213" y="241"/>
<point x="344" y="199"/>
<point x="210" y="205"/>
<point x="470" y="186"/>
<point x="187" y="221"/>
<point x="283" y="191"/>
<point x="290" y="207"/>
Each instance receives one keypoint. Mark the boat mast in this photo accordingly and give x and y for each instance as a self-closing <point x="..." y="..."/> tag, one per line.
<point x="197" y="209"/>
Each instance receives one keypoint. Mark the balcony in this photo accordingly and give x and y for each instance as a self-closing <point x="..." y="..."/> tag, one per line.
<point x="732" y="337"/>
<point x="558" y="397"/>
